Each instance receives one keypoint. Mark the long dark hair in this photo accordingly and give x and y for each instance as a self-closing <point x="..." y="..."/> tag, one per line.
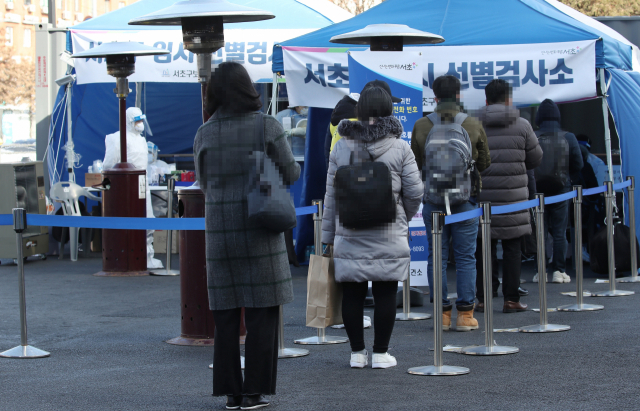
<point x="231" y="88"/>
<point x="374" y="102"/>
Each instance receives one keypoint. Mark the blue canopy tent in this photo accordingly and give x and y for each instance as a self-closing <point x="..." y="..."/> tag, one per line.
<point x="465" y="23"/>
<point x="173" y="109"/>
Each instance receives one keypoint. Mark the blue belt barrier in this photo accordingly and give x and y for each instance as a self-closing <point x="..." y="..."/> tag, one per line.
<point x="622" y="185"/>
<point x="512" y="208"/>
<point x="116" y="223"/>
<point x="467" y="215"/>
<point x="561" y="197"/>
<point x="594" y="190"/>
<point x="306" y="210"/>
<point x="6" y="219"/>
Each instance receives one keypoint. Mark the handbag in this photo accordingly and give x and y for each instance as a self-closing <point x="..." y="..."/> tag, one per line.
<point x="269" y="203"/>
<point x="599" y="255"/>
<point x="324" y="295"/>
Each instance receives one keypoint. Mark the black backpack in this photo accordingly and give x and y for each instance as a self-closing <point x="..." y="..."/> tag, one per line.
<point x="553" y="172"/>
<point x="599" y="253"/>
<point x="364" y="194"/>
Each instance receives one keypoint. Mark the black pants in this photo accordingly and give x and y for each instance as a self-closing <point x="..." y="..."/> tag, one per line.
<point x="261" y="352"/>
<point x="384" y="313"/>
<point x="511" y="262"/>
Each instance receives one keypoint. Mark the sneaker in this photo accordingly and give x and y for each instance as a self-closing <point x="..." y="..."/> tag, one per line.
<point x="383" y="361"/>
<point x="535" y="278"/>
<point x="359" y="359"/>
<point x="566" y="278"/>
<point x="557" y="277"/>
<point x="253" y="402"/>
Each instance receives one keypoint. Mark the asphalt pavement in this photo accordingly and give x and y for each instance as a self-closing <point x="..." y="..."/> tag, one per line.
<point x="108" y="352"/>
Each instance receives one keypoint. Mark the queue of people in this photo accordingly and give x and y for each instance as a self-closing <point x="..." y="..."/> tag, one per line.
<point x="454" y="162"/>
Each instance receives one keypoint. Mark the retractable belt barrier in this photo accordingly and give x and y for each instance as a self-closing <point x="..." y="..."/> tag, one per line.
<point x="138" y="223"/>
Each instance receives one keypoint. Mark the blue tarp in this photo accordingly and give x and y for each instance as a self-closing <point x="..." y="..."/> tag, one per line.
<point x="473" y="22"/>
<point x="624" y="103"/>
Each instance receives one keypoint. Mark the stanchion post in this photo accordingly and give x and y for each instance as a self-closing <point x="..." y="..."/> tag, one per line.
<point x="632" y="231"/>
<point x="488" y="348"/>
<point x="437" y="223"/>
<point x="544" y="326"/>
<point x="287" y="352"/>
<point x="609" y="198"/>
<point x="577" y="251"/>
<point x="171" y="184"/>
<point x="321" y="338"/>
<point x="24" y="350"/>
<point x="406" y="314"/>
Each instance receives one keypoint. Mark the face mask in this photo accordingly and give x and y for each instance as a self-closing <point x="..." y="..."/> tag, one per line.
<point x="139" y="127"/>
<point x="304" y="111"/>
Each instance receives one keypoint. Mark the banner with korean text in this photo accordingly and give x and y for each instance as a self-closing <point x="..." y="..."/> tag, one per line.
<point x="563" y="72"/>
<point x="251" y="48"/>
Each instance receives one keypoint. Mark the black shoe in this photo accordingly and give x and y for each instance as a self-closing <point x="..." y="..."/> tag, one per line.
<point x="233" y="402"/>
<point x="253" y="402"/>
<point x="522" y="292"/>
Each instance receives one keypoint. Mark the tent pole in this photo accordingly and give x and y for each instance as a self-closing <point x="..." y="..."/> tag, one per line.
<point x="607" y="131"/>
<point x="139" y="95"/>
<point x="274" y="95"/>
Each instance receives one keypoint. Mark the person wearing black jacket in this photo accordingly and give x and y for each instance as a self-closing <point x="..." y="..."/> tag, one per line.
<point x="556" y="215"/>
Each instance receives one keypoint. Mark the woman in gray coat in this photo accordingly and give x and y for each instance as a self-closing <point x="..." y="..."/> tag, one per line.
<point x="379" y="254"/>
<point x="247" y="266"/>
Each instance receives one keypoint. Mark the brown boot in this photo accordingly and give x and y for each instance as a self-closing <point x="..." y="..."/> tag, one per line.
<point x="446" y="317"/>
<point x="465" y="321"/>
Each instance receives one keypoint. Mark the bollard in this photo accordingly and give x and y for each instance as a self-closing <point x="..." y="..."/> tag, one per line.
<point x="580" y="293"/>
<point x="488" y="348"/>
<point x="287" y="352"/>
<point x="437" y="222"/>
<point x="168" y="271"/>
<point x="543" y="327"/>
<point x="609" y="198"/>
<point x="406" y="314"/>
<point x="321" y="338"/>
<point x="24" y="350"/>
<point x="632" y="230"/>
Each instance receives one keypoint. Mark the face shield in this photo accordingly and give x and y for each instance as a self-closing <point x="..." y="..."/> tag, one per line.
<point x="143" y="118"/>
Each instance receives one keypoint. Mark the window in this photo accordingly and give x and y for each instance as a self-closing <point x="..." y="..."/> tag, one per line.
<point x="121" y="5"/>
<point x="44" y="6"/>
<point x="107" y="6"/>
<point x="59" y="4"/>
<point x="8" y="35"/>
<point x="77" y="5"/>
<point x="26" y="42"/>
<point x="27" y="2"/>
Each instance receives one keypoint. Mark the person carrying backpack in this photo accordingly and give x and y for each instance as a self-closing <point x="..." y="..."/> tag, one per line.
<point x="370" y="164"/>
<point x="562" y="157"/>
<point x="452" y="145"/>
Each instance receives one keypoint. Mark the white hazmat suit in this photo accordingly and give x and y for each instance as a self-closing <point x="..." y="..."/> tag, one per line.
<point x="136" y="155"/>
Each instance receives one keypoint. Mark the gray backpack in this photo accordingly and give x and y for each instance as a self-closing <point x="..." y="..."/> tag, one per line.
<point x="448" y="163"/>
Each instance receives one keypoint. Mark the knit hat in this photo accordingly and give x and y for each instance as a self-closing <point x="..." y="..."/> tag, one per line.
<point x="548" y="111"/>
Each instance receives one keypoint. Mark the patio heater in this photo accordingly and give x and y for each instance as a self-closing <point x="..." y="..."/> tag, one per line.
<point x="124" y="253"/>
<point x="392" y="37"/>
<point x="202" y="28"/>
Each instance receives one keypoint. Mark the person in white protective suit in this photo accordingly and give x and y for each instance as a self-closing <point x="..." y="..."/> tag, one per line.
<point x="136" y="155"/>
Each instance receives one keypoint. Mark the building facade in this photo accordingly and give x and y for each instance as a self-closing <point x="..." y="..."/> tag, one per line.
<point x="18" y="19"/>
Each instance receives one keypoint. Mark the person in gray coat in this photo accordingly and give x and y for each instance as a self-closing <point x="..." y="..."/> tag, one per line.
<point x="379" y="254"/>
<point x="247" y="265"/>
<point x="514" y="149"/>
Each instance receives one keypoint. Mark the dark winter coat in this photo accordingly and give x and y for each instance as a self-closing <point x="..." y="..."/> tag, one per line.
<point x="575" y="155"/>
<point x="514" y="150"/>
<point x="378" y="253"/>
<point x="247" y="266"/>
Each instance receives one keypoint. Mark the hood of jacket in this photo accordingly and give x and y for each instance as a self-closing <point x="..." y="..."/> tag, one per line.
<point x="498" y="115"/>
<point x="378" y="137"/>
<point x="346" y="108"/>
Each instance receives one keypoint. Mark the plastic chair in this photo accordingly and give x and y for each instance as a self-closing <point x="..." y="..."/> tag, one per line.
<point x="68" y="194"/>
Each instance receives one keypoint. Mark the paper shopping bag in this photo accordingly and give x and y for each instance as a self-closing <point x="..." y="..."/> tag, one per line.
<point x="324" y="295"/>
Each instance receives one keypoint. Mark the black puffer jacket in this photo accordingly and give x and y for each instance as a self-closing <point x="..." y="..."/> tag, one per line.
<point x="514" y="149"/>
